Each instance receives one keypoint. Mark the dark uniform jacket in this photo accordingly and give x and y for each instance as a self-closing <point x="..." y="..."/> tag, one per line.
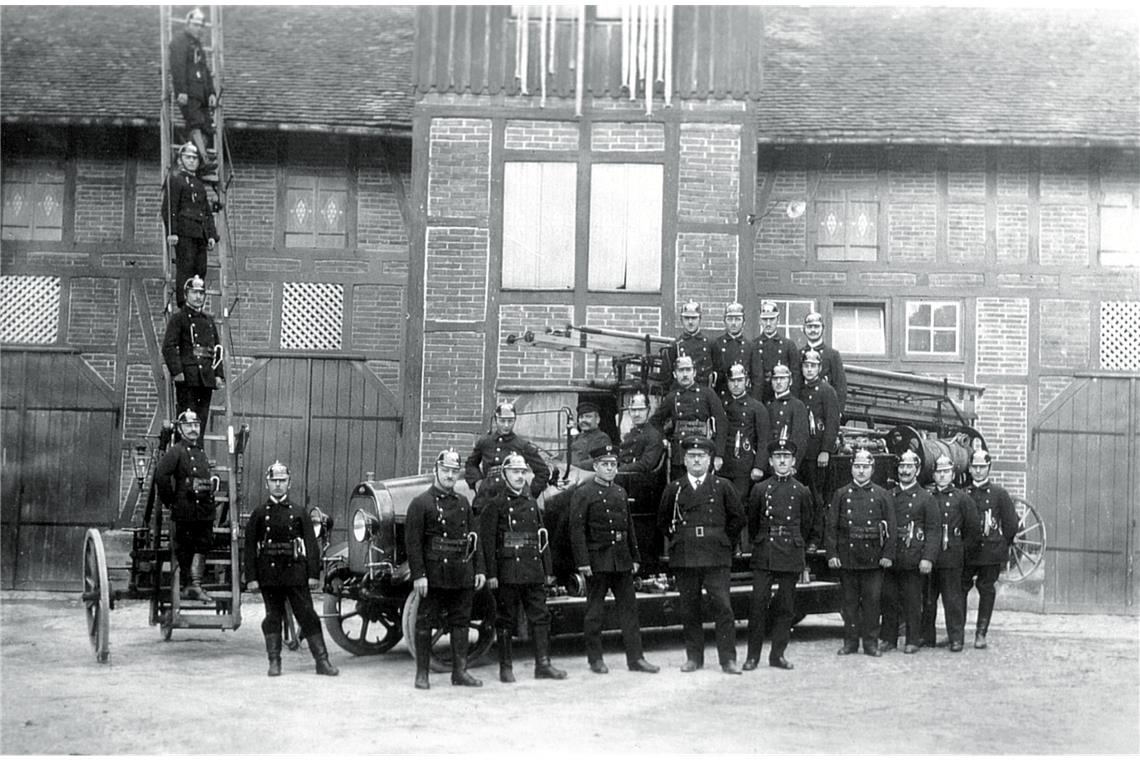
<point x="188" y="347"/>
<point x="491" y="450"/>
<point x="435" y="533"/>
<point x="641" y="449"/>
<point x="747" y="436"/>
<point x="856" y="523"/>
<point x="704" y="524"/>
<point x="188" y="69"/>
<point x="917" y="526"/>
<point x="779" y="510"/>
<point x="773" y="351"/>
<point x="508" y="532"/>
<point x="830" y="370"/>
<point x="997" y="524"/>
<point x="958" y="526"/>
<point x="280" y="546"/>
<point x="788" y="418"/>
<point x="186" y="209"/>
<point x="690" y="409"/>
<point x="601" y="529"/>
<point x="822" y="417"/>
<point x="583" y="444"/>
<point x="182" y="480"/>
<point x="699" y="348"/>
<point x="728" y="350"/>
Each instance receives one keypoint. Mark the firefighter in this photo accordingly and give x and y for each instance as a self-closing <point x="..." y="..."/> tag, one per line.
<point x="916" y="547"/>
<point x="998" y="523"/>
<point x="778" y="514"/>
<point x="831" y="363"/>
<point x="747" y="434"/>
<point x="604" y="546"/>
<point x="859" y="543"/>
<point x="642" y="447"/>
<point x="282" y="560"/>
<point x="446" y="567"/>
<point x="957" y="533"/>
<point x="787" y="415"/>
<point x="701" y="518"/>
<point x="823" y="430"/>
<point x="733" y="347"/>
<point x="775" y="349"/>
<point x="193" y="84"/>
<point x="589" y="436"/>
<point x="192" y="352"/>
<point x="182" y="479"/>
<point x="188" y="217"/>
<point x="483" y="468"/>
<point x="518" y="565"/>
<point x="691" y="409"/>
<point x="693" y="343"/>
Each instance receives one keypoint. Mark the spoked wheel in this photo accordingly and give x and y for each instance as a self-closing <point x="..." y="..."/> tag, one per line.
<point x="1028" y="548"/>
<point x="361" y="627"/>
<point x="480" y="632"/>
<point x="97" y="595"/>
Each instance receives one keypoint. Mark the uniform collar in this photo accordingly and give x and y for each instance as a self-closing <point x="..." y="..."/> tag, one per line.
<point x="693" y="481"/>
<point x="865" y="487"/>
<point x="279" y="502"/>
<point x="784" y="395"/>
<point x="437" y="491"/>
<point x="982" y="483"/>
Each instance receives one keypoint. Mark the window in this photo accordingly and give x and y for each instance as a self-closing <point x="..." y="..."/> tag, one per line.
<point x="625" y="227"/>
<point x="315" y="207"/>
<point x="859" y="328"/>
<point x="539" y="210"/>
<point x="33" y="201"/>
<point x="933" y="327"/>
<point x="1118" y="232"/>
<point x="847" y="224"/>
<point x="790" y="323"/>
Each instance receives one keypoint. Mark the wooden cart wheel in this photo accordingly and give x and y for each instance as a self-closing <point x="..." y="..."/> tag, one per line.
<point x="1028" y="549"/>
<point x="97" y="595"/>
<point x="480" y="632"/>
<point x="358" y="627"/>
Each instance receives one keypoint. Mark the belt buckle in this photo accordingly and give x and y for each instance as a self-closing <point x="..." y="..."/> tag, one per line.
<point x="619" y="535"/>
<point x="699" y="531"/>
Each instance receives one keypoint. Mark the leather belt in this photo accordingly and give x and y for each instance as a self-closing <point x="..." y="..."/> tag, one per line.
<point x="517" y="539"/>
<point x="780" y="530"/>
<point x="864" y="533"/>
<point x="701" y="531"/>
<point x="202" y="352"/>
<point x="277" y="549"/>
<point x="201" y="485"/>
<point x="448" y="547"/>
<point x="611" y="536"/>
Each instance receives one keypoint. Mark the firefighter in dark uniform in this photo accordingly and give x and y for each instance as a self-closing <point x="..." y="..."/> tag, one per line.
<point x="691" y="409"/>
<point x="589" y="436"/>
<point x="860" y="545"/>
<point x="823" y="430"/>
<point x="957" y="532"/>
<point x="778" y="511"/>
<point x="830" y="362"/>
<point x="998" y="523"/>
<point x="518" y="562"/>
<point x="701" y="517"/>
<point x="483" y="468"/>
<point x="692" y="343"/>
<point x="184" y="484"/>
<point x="446" y="567"/>
<point x="787" y="415"/>
<point x="747" y="433"/>
<point x="193" y="85"/>
<point x="916" y="547"/>
<point x="775" y="349"/>
<point x="192" y="352"/>
<point x="642" y="447"/>
<point x="733" y="347"/>
<point x="188" y="216"/>
<point x="605" y="552"/>
<point x="283" y="561"/>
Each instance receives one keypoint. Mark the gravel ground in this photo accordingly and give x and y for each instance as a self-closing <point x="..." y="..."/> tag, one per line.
<point x="1047" y="684"/>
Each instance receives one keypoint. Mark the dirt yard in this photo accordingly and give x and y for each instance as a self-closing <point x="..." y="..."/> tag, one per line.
<point x="1047" y="684"/>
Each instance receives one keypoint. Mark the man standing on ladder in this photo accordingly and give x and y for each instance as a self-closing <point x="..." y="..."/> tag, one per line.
<point x="194" y="86"/>
<point x="189" y="218"/>
<point x="193" y="353"/>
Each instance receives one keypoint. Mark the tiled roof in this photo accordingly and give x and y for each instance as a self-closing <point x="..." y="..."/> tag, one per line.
<point x="832" y="74"/>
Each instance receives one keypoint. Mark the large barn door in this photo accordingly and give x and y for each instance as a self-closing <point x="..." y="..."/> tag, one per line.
<point x="1084" y="463"/>
<point x="61" y="465"/>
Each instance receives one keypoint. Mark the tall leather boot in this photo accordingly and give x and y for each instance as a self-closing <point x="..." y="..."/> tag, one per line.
<point x="197" y="570"/>
<point x="542" y="666"/>
<point x="321" y="655"/>
<point x="423" y="659"/>
<point x="980" y="633"/>
<point x="459" y="674"/>
<point x="273" y="649"/>
<point x="506" y="665"/>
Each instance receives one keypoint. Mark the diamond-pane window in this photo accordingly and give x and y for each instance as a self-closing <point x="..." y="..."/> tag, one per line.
<point x="847" y="220"/>
<point x="312" y="316"/>
<point x="33" y="201"/>
<point x="1120" y="335"/>
<point x="29" y="311"/>
<point x="315" y="208"/>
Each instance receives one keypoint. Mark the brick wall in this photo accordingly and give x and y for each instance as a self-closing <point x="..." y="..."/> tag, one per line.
<point x="1012" y="233"/>
<point x="777" y="236"/>
<point x="455" y="273"/>
<point x="252" y="326"/>
<point x="1049" y="388"/>
<point x="523" y="361"/>
<point x="1002" y="420"/>
<point x="624" y="136"/>
<point x="635" y="319"/>
<point x="1066" y="329"/>
<point x="453" y="376"/>
<point x="148" y="205"/>
<point x="706" y="268"/>
<point x="912" y="231"/>
<point x="529" y="134"/>
<point x="378" y="318"/>
<point x="103" y="365"/>
<point x="1002" y="336"/>
<point x="93" y="313"/>
<point x="459" y="168"/>
<point x="966" y="235"/>
<point x="100" y="192"/>
<point x="709" y="182"/>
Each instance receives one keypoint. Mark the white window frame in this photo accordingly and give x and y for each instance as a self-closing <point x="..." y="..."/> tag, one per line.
<point x="838" y="335"/>
<point x="932" y="330"/>
<point x="785" y="325"/>
<point x="1119" y="246"/>
<point x="614" y="265"/>
<point x="540" y="204"/>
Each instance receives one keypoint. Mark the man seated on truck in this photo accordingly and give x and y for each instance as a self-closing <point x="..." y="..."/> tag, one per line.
<point x="483" y="468"/>
<point x="691" y="410"/>
<point x="589" y="436"/>
<point x="642" y="447"/>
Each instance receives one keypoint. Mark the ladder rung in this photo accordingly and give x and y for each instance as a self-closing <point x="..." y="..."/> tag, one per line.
<point x="213" y="437"/>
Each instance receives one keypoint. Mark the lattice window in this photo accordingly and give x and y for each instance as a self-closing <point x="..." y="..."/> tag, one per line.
<point x="1120" y="335"/>
<point x="312" y="316"/>
<point x="29" y="310"/>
